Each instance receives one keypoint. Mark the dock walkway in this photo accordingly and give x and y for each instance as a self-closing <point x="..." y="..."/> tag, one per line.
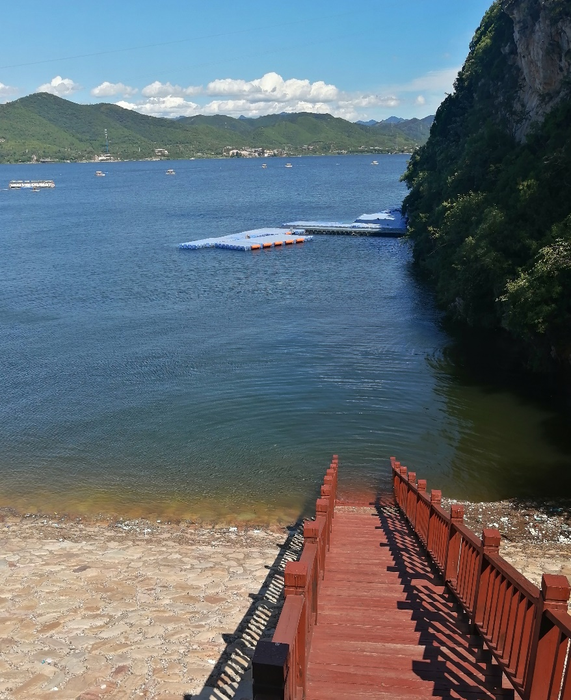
<point x="397" y="599"/>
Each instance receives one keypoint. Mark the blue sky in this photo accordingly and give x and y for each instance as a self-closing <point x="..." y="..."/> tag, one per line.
<point x="365" y="60"/>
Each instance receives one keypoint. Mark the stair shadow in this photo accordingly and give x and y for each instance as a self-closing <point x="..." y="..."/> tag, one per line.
<point x="449" y="662"/>
<point x="231" y="675"/>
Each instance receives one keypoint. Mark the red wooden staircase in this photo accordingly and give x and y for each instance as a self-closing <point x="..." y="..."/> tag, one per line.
<point x="398" y="599"/>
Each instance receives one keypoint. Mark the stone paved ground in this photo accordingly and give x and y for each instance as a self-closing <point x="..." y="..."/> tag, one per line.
<point x="133" y="610"/>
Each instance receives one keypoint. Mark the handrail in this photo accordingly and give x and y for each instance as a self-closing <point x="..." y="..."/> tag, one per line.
<point x="279" y="666"/>
<point x="527" y="630"/>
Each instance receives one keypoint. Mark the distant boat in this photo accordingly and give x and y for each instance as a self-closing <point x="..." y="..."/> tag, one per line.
<point x="375" y="162"/>
<point x="99" y="173"/>
<point x="264" y="165"/>
<point x="170" y="171"/>
<point x="289" y="165"/>
<point x="31" y="184"/>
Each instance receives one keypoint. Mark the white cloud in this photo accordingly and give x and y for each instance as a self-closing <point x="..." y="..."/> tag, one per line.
<point x="247" y="108"/>
<point x="107" y="89"/>
<point x="7" y="90"/>
<point x="273" y="94"/>
<point x="273" y="88"/>
<point x="269" y="94"/>
<point x="60" y="86"/>
<point x="163" y="107"/>
<point x="157" y="89"/>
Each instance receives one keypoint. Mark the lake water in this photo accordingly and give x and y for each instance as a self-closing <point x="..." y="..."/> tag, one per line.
<point x="139" y="379"/>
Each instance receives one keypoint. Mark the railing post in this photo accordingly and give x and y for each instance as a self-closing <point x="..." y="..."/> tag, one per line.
<point x="322" y="510"/>
<point x="398" y="482"/>
<point x="295" y="582"/>
<point x="490" y="545"/>
<point x="331" y="479"/>
<point x="411" y="499"/>
<point x="270" y="670"/>
<point x="403" y="488"/>
<point x="329" y="485"/>
<point x="453" y="551"/>
<point x="311" y="537"/>
<point x="421" y="527"/>
<point x="435" y="500"/>
<point x="545" y="662"/>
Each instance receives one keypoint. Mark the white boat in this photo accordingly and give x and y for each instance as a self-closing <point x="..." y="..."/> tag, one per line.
<point x="170" y="171"/>
<point x="99" y="173"/>
<point x="264" y="165"/>
<point x="375" y="162"/>
<point x="289" y="165"/>
<point x="31" y="184"/>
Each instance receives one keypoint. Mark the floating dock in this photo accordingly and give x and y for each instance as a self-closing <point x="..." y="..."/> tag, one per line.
<point x="257" y="239"/>
<point x="31" y="184"/>
<point x="389" y="223"/>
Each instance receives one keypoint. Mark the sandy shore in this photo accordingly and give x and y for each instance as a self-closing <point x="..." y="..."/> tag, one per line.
<point x="134" y="609"/>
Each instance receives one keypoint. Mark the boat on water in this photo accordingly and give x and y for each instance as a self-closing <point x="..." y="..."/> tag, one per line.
<point x="264" y="165"/>
<point x="99" y="173"/>
<point x="170" y="171"/>
<point x="289" y="165"/>
<point x="31" y="184"/>
<point x="374" y="162"/>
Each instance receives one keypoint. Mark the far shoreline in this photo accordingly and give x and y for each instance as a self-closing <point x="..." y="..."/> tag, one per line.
<point x="201" y="158"/>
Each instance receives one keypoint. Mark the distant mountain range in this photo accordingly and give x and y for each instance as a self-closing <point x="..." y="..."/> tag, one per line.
<point x="45" y="127"/>
<point x="389" y="120"/>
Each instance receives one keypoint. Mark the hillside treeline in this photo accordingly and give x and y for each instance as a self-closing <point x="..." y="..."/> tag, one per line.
<point x="42" y="126"/>
<point x="489" y="209"/>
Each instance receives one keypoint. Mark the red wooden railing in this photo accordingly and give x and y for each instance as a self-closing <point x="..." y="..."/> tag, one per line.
<point x="526" y="629"/>
<point x="279" y="666"/>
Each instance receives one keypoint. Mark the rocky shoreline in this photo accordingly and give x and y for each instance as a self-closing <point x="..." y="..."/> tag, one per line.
<point x="536" y="535"/>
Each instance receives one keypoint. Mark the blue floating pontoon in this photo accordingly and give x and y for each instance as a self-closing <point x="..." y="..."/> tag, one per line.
<point x="390" y="222"/>
<point x="257" y="239"/>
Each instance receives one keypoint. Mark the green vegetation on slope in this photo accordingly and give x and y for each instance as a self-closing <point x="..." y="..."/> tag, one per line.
<point x="45" y="126"/>
<point x="490" y="218"/>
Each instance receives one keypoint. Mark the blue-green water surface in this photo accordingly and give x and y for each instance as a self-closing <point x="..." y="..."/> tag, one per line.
<point x="141" y="379"/>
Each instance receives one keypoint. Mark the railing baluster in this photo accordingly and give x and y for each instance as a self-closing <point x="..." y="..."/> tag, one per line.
<point x="435" y="500"/>
<point x="490" y="545"/>
<point x="454" y="539"/>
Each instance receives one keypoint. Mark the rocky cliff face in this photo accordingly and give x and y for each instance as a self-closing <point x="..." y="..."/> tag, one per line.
<point x="542" y="53"/>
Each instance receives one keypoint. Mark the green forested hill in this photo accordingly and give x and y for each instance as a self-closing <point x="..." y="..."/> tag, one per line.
<point x="490" y="192"/>
<point x="45" y="126"/>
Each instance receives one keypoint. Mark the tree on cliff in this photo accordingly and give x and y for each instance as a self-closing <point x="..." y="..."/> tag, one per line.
<point x="490" y="193"/>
